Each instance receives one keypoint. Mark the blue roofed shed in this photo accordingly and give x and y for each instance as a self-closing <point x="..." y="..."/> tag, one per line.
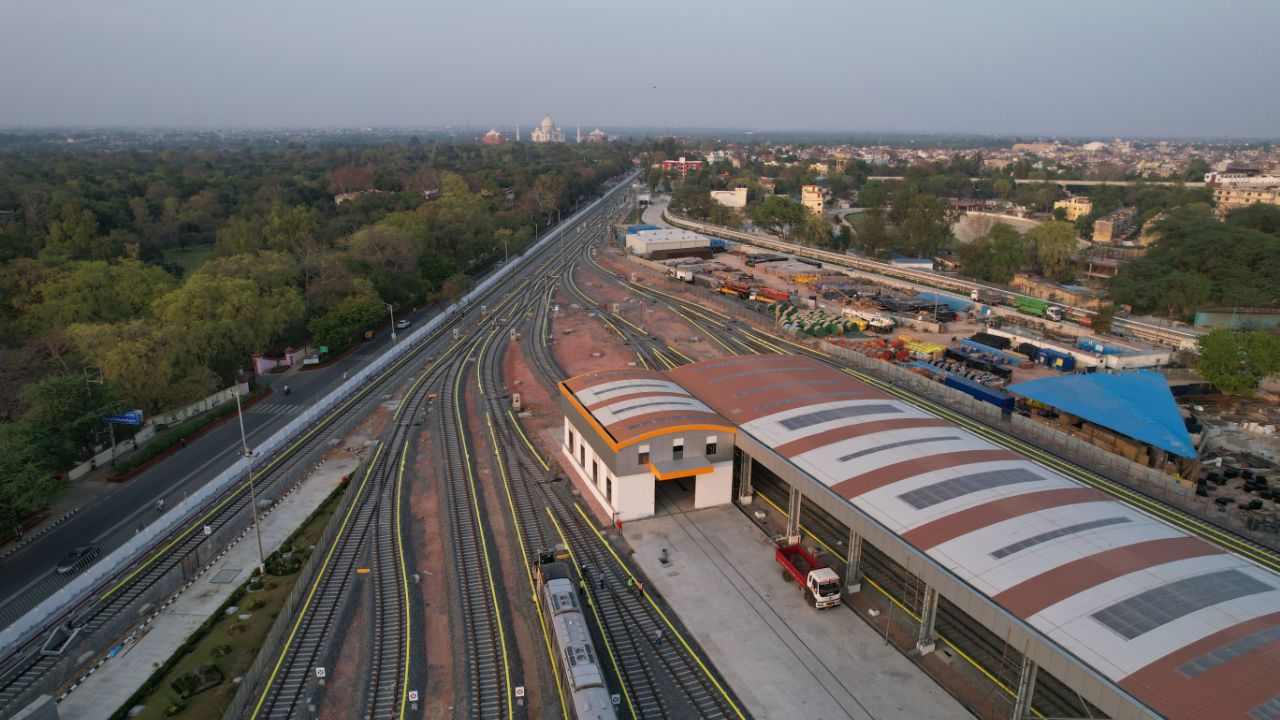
<point x="1136" y="404"/>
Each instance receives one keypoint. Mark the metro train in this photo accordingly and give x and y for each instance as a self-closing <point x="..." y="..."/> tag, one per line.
<point x="576" y="658"/>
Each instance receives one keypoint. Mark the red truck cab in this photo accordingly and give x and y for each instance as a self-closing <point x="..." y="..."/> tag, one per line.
<point x="820" y="584"/>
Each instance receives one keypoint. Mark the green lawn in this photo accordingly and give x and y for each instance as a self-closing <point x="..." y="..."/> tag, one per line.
<point x="189" y="258"/>
<point x="236" y="642"/>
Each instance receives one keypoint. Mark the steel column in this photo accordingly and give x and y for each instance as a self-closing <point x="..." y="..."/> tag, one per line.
<point x="793" y="517"/>
<point x="928" y="613"/>
<point x="745" y="492"/>
<point x="1026" y="688"/>
<point x="852" y="571"/>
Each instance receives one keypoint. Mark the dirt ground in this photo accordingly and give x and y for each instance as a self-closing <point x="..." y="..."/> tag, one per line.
<point x="657" y="318"/>
<point x="523" y="621"/>
<point x="425" y="532"/>
<point x="541" y="417"/>
<point x="584" y="343"/>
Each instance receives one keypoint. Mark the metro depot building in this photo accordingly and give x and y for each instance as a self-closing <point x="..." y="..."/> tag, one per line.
<point x="1131" y="616"/>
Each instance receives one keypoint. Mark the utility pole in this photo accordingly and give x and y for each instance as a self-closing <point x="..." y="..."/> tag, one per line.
<point x="247" y="454"/>
<point x="391" y="309"/>
<point x="111" y="428"/>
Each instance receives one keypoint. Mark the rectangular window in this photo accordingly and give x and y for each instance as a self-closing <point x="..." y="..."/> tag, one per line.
<point x="643" y="457"/>
<point x="572" y="445"/>
<point x="582" y="455"/>
<point x="608" y="489"/>
<point x="595" y="471"/>
<point x="677" y="449"/>
<point x="711" y="446"/>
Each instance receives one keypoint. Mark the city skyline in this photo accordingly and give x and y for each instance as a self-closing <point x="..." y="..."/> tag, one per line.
<point x="1143" y="69"/>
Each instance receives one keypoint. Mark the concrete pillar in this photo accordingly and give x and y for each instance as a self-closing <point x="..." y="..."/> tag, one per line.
<point x="928" y="613"/>
<point x="852" y="563"/>
<point x="1026" y="688"/>
<point x="793" y="517"/>
<point x="745" y="492"/>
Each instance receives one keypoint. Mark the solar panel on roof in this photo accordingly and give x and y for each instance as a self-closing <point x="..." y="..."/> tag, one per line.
<point x="1045" y="537"/>
<point x="775" y="386"/>
<point x="817" y="417"/>
<point x="1147" y="611"/>
<point x="633" y="386"/>
<point x="671" y="419"/>
<point x="667" y="401"/>
<point x="1230" y="651"/>
<point x="1269" y="710"/>
<point x="807" y="398"/>
<point x="945" y="490"/>
<point x="892" y="445"/>
<point x="748" y="373"/>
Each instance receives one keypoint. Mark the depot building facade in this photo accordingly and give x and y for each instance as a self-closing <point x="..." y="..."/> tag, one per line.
<point x="628" y="429"/>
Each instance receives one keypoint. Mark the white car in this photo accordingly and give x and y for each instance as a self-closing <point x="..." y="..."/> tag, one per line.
<point x="403" y="324"/>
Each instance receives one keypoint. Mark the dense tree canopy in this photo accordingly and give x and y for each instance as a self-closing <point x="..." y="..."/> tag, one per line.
<point x="166" y="270"/>
<point x="1236" y="362"/>
<point x="1199" y="260"/>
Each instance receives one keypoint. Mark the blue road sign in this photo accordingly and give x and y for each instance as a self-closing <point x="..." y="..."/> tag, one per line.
<point x="129" y="417"/>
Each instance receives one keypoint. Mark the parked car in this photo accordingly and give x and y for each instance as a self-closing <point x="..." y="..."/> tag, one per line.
<point x="403" y="324"/>
<point x="78" y="559"/>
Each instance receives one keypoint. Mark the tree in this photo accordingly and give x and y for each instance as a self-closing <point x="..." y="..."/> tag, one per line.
<point x="1008" y="252"/>
<point x="872" y="236"/>
<point x="289" y="229"/>
<point x="99" y="292"/>
<point x="221" y="321"/>
<point x="777" y="213"/>
<point x="27" y="480"/>
<point x="358" y="311"/>
<point x="1053" y="244"/>
<point x="1258" y="216"/>
<point x="150" y="363"/>
<point x="1236" y="362"/>
<point x="926" y="223"/>
<point x="1103" y="319"/>
<point x="74" y="234"/>
<point x="68" y="410"/>
<point x="1197" y="168"/>
<point x="872" y="195"/>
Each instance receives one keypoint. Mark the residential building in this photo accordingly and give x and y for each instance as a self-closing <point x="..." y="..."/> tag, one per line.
<point x="682" y="166"/>
<point x="811" y="197"/>
<point x="1073" y="295"/>
<point x="1236" y="189"/>
<point x="1115" y="226"/>
<point x="735" y="198"/>
<point x="547" y="132"/>
<point x="1076" y="207"/>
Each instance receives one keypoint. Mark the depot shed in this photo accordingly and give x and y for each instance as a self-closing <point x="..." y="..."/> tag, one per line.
<point x="627" y="430"/>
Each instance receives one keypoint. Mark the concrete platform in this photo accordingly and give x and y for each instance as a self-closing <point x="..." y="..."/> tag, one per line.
<point x="782" y="657"/>
<point x="116" y="679"/>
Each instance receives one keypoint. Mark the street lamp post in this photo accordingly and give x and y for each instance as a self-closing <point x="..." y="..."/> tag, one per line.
<point x="247" y="454"/>
<point x="391" y="309"/>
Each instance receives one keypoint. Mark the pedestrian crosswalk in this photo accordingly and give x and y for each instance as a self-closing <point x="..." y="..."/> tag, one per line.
<point x="277" y="408"/>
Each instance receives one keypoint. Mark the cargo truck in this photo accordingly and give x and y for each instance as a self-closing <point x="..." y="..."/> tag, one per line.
<point x="820" y="584"/>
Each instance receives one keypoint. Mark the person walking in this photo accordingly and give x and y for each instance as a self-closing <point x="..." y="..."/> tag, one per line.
<point x="630" y="583"/>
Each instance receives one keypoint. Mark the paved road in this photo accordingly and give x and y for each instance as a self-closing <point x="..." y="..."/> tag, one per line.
<point x="28" y="574"/>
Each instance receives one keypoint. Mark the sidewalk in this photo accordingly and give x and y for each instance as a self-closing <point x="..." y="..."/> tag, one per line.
<point x="112" y="681"/>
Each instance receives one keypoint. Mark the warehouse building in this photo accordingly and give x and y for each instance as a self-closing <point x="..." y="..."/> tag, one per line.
<point x="1106" y="610"/>
<point x="667" y="243"/>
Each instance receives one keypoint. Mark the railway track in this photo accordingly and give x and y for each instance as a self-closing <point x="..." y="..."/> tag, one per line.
<point x="370" y="534"/>
<point x="658" y="676"/>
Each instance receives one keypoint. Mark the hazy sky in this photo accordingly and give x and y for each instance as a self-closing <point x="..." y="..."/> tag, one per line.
<point x="1091" y="67"/>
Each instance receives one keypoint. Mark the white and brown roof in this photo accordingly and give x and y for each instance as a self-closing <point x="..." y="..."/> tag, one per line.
<point x="629" y="405"/>
<point x="1187" y="628"/>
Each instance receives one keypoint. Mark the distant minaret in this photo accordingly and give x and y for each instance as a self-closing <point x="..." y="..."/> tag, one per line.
<point x="579" y="133"/>
<point x="517" y="133"/>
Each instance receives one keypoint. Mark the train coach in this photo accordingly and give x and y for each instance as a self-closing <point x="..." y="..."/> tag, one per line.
<point x="576" y="659"/>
